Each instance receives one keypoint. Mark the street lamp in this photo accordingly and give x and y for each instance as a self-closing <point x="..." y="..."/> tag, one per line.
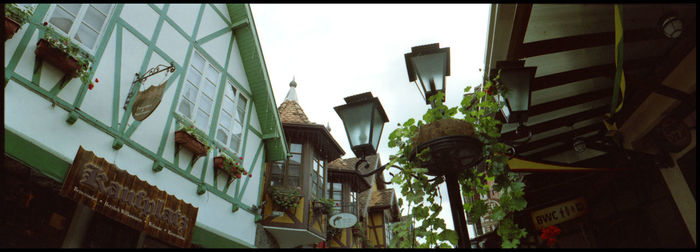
<point x="429" y="64"/>
<point x="517" y="79"/>
<point x="363" y="117"/>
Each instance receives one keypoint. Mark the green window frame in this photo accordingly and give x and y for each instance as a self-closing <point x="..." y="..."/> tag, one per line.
<point x="83" y="23"/>
<point x="199" y="91"/>
<point x="232" y="115"/>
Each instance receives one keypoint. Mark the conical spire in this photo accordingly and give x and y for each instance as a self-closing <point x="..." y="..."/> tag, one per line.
<point x="292" y="94"/>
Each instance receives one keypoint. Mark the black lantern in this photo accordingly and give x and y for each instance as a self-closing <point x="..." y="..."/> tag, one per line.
<point x="516" y="79"/>
<point x="363" y="117"/>
<point x="671" y="25"/>
<point x="430" y="64"/>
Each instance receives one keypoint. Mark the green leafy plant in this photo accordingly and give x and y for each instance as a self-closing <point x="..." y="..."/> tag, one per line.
<point x="18" y="14"/>
<point x="327" y="205"/>
<point x="200" y="136"/>
<point x="232" y="166"/>
<point x="332" y="232"/>
<point x="58" y="41"/>
<point x="285" y="197"/>
<point x="424" y="201"/>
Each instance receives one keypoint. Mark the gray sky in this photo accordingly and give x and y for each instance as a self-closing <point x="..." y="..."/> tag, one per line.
<point x="338" y="50"/>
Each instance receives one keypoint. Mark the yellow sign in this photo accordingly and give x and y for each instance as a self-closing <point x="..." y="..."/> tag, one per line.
<point x="559" y="213"/>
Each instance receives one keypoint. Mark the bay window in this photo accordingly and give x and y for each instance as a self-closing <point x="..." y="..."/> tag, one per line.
<point x="288" y="172"/>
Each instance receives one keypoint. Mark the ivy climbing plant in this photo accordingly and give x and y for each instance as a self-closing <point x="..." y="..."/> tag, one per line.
<point x="421" y="192"/>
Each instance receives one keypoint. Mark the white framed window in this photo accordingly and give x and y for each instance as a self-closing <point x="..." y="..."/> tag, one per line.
<point x="317" y="171"/>
<point x="199" y="91"/>
<point x="335" y="192"/>
<point x="83" y="23"/>
<point x="234" y="106"/>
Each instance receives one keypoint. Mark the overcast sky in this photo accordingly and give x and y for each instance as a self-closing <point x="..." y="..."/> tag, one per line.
<point x="339" y="50"/>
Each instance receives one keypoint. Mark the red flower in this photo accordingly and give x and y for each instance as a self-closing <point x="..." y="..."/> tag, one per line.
<point x="250" y="175"/>
<point x="336" y="204"/>
<point x="90" y="86"/>
<point x="241" y="158"/>
<point x="97" y="80"/>
<point x="238" y="175"/>
<point x="191" y="126"/>
<point x="490" y="91"/>
<point x="46" y="23"/>
<point x="245" y="173"/>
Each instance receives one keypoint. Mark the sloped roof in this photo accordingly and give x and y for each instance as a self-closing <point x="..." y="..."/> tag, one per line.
<point x="291" y="112"/>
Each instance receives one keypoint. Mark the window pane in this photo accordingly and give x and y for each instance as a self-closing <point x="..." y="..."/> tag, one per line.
<point x="235" y="142"/>
<point x="185" y="108"/>
<point x="337" y="187"/>
<point x="62" y="20"/>
<point x="221" y="135"/>
<point x="71" y="8"/>
<point x="104" y="8"/>
<point x="209" y="88"/>
<point x="193" y="76"/>
<point x="225" y="121"/>
<point x="241" y="109"/>
<point x="94" y="18"/>
<point x="296" y="148"/>
<point x="190" y="92"/>
<point x="276" y="180"/>
<point x="293" y="181"/>
<point x="212" y="74"/>
<point x="86" y="36"/>
<point x="227" y="103"/>
<point x="295" y="159"/>
<point x="277" y="168"/>
<point x="205" y="103"/>
<point x="197" y="61"/>
<point x="201" y="120"/>
<point x="294" y="170"/>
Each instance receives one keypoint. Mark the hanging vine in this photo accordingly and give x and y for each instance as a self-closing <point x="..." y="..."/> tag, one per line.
<point x="478" y="108"/>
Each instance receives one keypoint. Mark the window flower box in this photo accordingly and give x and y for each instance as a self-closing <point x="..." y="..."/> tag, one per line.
<point x="187" y="140"/>
<point x="226" y="165"/>
<point x="11" y="27"/>
<point x="323" y="206"/>
<point x="57" y="57"/>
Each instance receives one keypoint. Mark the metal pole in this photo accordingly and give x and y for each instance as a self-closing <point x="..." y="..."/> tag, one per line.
<point x="460" y="222"/>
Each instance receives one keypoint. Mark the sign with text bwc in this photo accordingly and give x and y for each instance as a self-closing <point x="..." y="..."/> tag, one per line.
<point x="559" y="213"/>
<point x="125" y="198"/>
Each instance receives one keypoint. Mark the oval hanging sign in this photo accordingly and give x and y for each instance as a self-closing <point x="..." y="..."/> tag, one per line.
<point x="342" y="220"/>
<point x="147" y="101"/>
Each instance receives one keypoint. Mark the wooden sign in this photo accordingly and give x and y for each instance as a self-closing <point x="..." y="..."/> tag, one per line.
<point x="342" y="220"/>
<point x="559" y="213"/>
<point x="147" y="101"/>
<point x="125" y="198"/>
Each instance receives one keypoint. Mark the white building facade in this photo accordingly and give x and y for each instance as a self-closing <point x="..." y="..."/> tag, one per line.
<point x="219" y="87"/>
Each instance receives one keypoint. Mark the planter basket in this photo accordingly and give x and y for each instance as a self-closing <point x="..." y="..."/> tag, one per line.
<point x="319" y="207"/>
<point x="11" y="27"/>
<point x="453" y="147"/>
<point x="356" y="231"/>
<point x="219" y="166"/>
<point x="188" y="141"/>
<point x="58" y="58"/>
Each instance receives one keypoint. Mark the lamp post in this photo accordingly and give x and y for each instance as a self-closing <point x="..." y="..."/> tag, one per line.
<point x="429" y="64"/>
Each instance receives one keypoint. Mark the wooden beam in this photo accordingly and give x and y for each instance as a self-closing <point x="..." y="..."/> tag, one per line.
<point x="561" y="122"/>
<point x="583" y="41"/>
<point x="569" y="101"/>
<point x="522" y="18"/>
<point x="558" y="138"/>
<point x="562" y="78"/>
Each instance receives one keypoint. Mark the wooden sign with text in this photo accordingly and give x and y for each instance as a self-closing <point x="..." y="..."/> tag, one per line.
<point x="125" y="198"/>
<point x="147" y="101"/>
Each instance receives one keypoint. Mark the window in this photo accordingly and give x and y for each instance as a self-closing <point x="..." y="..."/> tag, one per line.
<point x="335" y="191"/>
<point x="317" y="171"/>
<point x="288" y="173"/>
<point x="233" y="110"/>
<point x="199" y="91"/>
<point x="84" y="23"/>
<point x="353" y="203"/>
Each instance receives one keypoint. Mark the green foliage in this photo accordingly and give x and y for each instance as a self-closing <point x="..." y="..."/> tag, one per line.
<point x="478" y="108"/>
<point x="327" y="205"/>
<point x="18" y="14"/>
<point x="285" y="197"/>
<point x="233" y="166"/>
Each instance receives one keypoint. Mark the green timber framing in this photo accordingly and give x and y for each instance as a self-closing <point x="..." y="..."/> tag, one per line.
<point x="243" y="27"/>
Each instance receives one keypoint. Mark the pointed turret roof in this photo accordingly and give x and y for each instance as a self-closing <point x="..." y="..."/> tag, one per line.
<point x="290" y="111"/>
